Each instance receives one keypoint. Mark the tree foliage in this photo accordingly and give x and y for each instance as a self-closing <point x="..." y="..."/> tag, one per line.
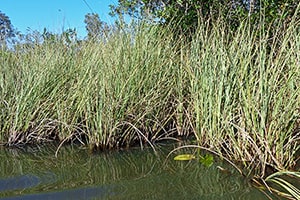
<point x="187" y="12"/>
<point x="6" y="29"/>
<point x="94" y="26"/>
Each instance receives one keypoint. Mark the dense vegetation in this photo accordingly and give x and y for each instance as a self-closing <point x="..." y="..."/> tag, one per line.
<point x="185" y="13"/>
<point x="235" y="90"/>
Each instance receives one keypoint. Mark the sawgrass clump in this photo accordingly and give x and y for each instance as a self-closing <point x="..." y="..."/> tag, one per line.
<point x="108" y="93"/>
<point x="244" y="98"/>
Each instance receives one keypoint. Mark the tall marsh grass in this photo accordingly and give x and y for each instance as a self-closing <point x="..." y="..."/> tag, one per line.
<point x="113" y="92"/>
<point x="237" y="92"/>
<point x="245" y="96"/>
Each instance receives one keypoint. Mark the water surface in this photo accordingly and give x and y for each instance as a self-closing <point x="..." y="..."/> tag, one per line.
<point x="35" y="173"/>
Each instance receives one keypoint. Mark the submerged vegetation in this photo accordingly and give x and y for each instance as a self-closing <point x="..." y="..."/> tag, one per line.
<point x="237" y="92"/>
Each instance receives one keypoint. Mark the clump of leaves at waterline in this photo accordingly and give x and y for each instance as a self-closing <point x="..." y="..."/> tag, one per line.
<point x="237" y="92"/>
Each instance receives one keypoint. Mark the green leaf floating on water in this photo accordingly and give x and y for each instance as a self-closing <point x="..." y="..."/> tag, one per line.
<point x="184" y="157"/>
<point x="207" y="160"/>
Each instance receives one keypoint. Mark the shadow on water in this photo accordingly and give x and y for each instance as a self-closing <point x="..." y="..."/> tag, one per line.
<point x="131" y="174"/>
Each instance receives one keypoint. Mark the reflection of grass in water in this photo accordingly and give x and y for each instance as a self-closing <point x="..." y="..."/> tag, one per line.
<point x="189" y="180"/>
<point x="132" y="173"/>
